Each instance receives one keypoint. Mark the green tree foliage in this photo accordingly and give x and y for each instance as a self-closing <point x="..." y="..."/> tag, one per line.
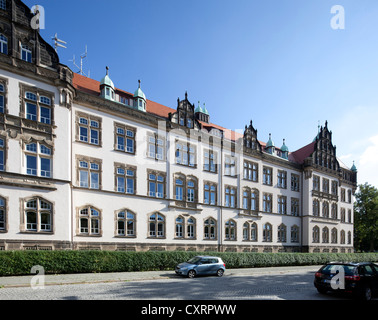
<point x="366" y="218"/>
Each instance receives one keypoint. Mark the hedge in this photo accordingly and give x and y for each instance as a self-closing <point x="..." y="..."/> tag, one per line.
<point x="60" y="262"/>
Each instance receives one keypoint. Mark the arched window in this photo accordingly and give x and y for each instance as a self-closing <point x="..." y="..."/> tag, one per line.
<point x="342" y="237"/>
<point x="334" y="235"/>
<point x="281" y="234"/>
<point x="126" y="223"/>
<point x="230" y="230"/>
<point x="210" y="229"/>
<point x="156" y="225"/>
<point x="3" y="44"/>
<point x="315" y="208"/>
<point x="349" y="237"/>
<point x="254" y="200"/>
<point x="334" y="211"/>
<point x="38" y="215"/>
<point x="191" y="228"/>
<point x="267" y="232"/>
<point x="325" y="211"/>
<point x="254" y="232"/>
<point x="179" y="227"/>
<point x="315" y="234"/>
<point x="89" y="221"/>
<point x="325" y="235"/>
<point x="294" y="233"/>
<point x="246" y="231"/>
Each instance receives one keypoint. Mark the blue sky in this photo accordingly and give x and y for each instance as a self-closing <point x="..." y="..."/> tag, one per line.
<point x="277" y="63"/>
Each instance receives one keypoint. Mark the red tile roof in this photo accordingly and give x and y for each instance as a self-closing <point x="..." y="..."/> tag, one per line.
<point x="91" y="86"/>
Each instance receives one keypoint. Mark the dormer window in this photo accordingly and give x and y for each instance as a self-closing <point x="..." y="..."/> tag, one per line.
<point x="3" y="44"/>
<point x="26" y="53"/>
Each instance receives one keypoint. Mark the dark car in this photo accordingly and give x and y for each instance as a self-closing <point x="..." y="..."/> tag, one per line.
<point x="360" y="279"/>
<point x="201" y="265"/>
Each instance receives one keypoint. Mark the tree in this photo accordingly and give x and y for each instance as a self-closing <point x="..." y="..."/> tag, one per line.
<point x="366" y="218"/>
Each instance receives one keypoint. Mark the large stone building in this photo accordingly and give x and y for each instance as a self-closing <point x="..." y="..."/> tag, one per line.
<point x="86" y="165"/>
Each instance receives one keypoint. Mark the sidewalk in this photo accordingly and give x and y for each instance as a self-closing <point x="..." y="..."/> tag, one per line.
<point x="60" y="279"/>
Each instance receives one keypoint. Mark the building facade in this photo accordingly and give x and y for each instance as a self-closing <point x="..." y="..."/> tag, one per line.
<point x="86" y="165"/>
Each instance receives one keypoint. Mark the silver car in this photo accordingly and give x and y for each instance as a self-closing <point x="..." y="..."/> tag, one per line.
<point x="201" y="265"/>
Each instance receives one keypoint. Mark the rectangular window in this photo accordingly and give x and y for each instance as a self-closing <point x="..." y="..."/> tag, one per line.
<point x="316" y="183"/>
<point x="125" y="178"/>
<point x="267" y="202"/>
<point x="325" y="185"/>
<point x="37" y="105"/>
<point x="295" y="207"/>
<point x="185" y="154"/>
<point x="334" y="188"/>
<point x="26" y="53"/>
<point x="281" y="204"/>
<point x="230" y="197"/>
<point x="89" y="173"/>
<point x="124" y="138"/>
<point x="210" y="161"/>
<point x="156" y="184"/>
<point x="230" y="166"/>
<point x="281" y="179"/>
<point x="210" y="194"/>
<point x="38" y="160"/>
<point x="267" y="176"/>
<point x="250" y="171"/>
<point x="88" y="128"/>
<point x="295" y="182"/>
<point x="342" y="195"/>
<point x="156" y="147"/>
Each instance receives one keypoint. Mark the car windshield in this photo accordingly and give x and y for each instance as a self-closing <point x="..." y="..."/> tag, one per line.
<point x="332" y="268"/>
<point x="194" y="260"/>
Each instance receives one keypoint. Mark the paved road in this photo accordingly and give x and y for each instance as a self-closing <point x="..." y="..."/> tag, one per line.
<point x="268" y="284"/>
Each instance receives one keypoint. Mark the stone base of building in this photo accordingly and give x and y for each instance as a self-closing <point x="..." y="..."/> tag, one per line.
<point x="116" y="246"/>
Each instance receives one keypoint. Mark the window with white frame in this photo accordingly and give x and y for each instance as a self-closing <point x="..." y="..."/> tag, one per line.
<point x="179" y="227"/>
<point x="281" y="201"/>
<point x="267" y="176"/>
<point x="281" y="233"/>
<point x="185" y="154"/>
<point x="230" y="166"/>
<point x="156" y="184"/>
<point x="89" y="221"/>
<point x="89" y="173"/>
<point x="210" y="161"/>
<point x="156" y="225"/>
<point x="230" y="197"/>
<point x="156" y="147"/>
<point x="267" y="202"/>
<point x="267" y="232"/>
<point x="38" y="107"/>
<point x="210" y="227"/>
<point x="3" y="44"/>
<point x="295" y="207"/>
<point x="26" y="53"/>
<point x="88" y="129"/>
<point x="230" y="230"/>
<point x="125" y="178"/>
<point x="191" y="228"/>
<point x="38" y="159"/>
<point x="125" y="138"/>
<point x="251" y="171"/>
<point x="281" y="179"/>
<point x="210" y="193"/>
<point x="38" y="215"/>
<point x="126" y="223"/>
<point x="295" y="182"/>
<point x="186" y="189"/>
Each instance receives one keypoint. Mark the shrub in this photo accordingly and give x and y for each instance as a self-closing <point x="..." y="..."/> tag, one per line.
<point x="59" y="262"/>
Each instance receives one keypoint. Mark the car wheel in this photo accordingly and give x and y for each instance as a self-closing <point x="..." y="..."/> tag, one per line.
<point x="191" y="274"/>
<point x="220" y="272"/>
<point x="366" y="293"/>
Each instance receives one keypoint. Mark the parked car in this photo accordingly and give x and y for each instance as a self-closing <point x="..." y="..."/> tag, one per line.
<point x="360" y="279"/>
<point x="201" y="265"/>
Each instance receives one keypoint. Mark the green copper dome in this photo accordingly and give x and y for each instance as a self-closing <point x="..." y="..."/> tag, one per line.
<point x="270" y="143"/>
<point x="198" y="109"/>
<point x="205" y="110"/>
<point x="284" y="148"/>
<point x="106" y="80"/>
<point x="139" y="93"/>
<point x="354" y="169"/>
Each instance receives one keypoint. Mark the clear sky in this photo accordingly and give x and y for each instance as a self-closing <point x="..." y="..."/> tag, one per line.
<point x="278" y="63"/>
